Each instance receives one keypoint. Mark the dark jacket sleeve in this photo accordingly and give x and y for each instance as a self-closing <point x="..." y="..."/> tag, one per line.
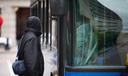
<point x="30" y="56"/>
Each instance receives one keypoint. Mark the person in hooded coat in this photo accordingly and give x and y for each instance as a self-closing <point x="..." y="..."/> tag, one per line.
<point x="30" y="48"/>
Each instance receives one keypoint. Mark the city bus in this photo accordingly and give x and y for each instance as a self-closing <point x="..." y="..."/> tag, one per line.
<point x="91" y="36"/>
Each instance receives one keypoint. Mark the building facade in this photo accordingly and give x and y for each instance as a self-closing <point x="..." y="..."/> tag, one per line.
<point x="9" y="10"/>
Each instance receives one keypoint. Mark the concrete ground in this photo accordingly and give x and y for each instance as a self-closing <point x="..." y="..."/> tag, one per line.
<point x="6" y="59"/>
<point x="8" y="56"/>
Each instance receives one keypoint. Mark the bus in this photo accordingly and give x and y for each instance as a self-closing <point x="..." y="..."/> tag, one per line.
<point x="91" y="36"/>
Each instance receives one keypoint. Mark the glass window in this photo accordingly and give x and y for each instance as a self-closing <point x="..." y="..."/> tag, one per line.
<point x="99" y="36"/>
<point x="85" y="40"/>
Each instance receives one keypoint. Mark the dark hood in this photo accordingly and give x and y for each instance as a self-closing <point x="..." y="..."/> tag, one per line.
<point x="33" y="24"/>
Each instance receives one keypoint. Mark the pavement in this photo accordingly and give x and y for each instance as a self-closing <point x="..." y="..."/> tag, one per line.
<point x="6" y="59"/>
<point x="50" y="58"/>
<point x="8" y="56"/>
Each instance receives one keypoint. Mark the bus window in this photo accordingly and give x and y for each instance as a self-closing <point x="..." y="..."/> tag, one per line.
<point x="96" y="34"/>
<point x="85" y="39"/>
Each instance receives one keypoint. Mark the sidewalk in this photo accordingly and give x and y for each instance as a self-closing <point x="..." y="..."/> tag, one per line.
<point x="50" y="59"/>
<point x="7" y="57"/>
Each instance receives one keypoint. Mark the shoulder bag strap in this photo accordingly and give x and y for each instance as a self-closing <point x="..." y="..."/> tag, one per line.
<point x="20" y="46"/>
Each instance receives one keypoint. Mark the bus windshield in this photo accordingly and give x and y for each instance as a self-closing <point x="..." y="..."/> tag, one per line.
<point x="100" y="33"/>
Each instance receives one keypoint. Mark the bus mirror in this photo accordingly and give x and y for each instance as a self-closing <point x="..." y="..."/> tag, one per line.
<point x="57" y="7"/>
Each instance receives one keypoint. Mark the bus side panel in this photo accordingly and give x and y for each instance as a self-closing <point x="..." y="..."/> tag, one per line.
<point x="95" y="74"/>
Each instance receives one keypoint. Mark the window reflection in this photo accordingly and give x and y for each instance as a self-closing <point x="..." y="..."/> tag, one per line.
<point x="97" y="35"/>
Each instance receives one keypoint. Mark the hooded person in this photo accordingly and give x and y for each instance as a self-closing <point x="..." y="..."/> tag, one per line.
<point x="30" y="48"/>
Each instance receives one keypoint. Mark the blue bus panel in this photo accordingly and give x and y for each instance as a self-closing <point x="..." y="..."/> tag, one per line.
<point x="95" y="74"/>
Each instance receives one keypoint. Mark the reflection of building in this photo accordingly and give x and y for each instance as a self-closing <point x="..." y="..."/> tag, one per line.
<point x="105" y="19"/>
<point x="107" y="23"/>
<point x="119" y="7"/>
<point x="12" y="12"/>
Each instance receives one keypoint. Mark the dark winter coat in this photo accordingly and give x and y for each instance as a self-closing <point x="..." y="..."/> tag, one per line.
<point x="30" y="50"/>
